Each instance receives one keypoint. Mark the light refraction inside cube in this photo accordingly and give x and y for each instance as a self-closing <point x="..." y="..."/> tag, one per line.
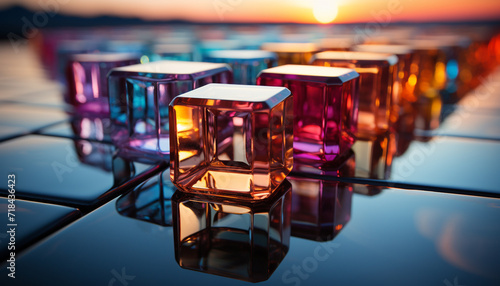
<point x="231" y="140"/>
<point x="325" y="109"/>
<point x="139" y="99"/>
<point x="238" y="240"/>
<point x="377" y="74"/>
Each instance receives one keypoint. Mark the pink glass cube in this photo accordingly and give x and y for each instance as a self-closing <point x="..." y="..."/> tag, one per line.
<point x="139" y="97"/>
<point x="377" y="73"/>
<point x="231" y="140"/>
<point x="325" y="109"/>
<point x="87" y="80"/>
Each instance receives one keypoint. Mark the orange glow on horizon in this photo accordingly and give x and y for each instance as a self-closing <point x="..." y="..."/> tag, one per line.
<point x="288" y="11"/>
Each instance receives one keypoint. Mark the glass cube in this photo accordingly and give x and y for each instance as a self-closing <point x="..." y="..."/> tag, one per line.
<point x="325" y="109"/>
<point x="173" y="52"/>
<point x="235" y="239"/>
<point x="376" y="77"/>
<point x="66" y="48"/>
<point x="336" y="44"/>
<point x="231" y="140"/>
<point x="139" y="99"/>
<point x="87" y="80"/>
<point x="246" y="64"/>
<point x="206" y="46"/>
<point x="404" y="85"/>
<point x="440" y="61"/>
<point x="291" y="53"/>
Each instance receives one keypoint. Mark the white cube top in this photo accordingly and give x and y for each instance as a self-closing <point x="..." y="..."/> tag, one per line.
<point x="328" y="75"/>
<point x="173" y="67"/>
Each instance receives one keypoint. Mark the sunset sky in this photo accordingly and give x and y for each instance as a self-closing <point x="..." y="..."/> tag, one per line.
<point x="300" y="11"/>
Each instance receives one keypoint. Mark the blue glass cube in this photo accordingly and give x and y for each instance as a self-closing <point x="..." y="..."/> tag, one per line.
<point x="246" y="64"/>
<point x="172" y="52"/>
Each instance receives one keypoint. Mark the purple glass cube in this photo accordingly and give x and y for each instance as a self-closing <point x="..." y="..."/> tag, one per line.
<point x="87" y="80"/>
<point x="139" y="97"/>
<point x="325" y="109"/>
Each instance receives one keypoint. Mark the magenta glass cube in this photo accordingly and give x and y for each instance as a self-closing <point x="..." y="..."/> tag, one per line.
<point x="325" y="109"/>
<point x="87" y="80"/>
<point x="139" y="97"/>
<point x="231" y="140"/>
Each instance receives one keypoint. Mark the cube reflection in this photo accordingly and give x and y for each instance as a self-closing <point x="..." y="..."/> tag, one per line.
<point x="240" y="240"/>
<point x="322" y="208"/>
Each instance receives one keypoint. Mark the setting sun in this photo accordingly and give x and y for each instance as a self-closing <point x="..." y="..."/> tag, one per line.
<point x="325" y="11"/>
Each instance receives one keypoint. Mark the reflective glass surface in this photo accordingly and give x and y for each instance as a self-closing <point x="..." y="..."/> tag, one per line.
<point x="433" y="237"/>
<point x="32" y="221"/>
<point x="58" y="170"/>
<point x="418" y="205"/>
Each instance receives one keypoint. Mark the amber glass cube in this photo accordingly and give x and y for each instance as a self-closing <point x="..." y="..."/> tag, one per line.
<point x="231" y="140"/>
<point x="244" y="240"/>
<point x="376" y="78"/>
<point x="336" y="44"/>
<point x="139" y="98"/>
<point x="292" y="53"/>
<point x="406" y="74"/>
<point x="440" y="60"/>
<point x="325" y="109"/>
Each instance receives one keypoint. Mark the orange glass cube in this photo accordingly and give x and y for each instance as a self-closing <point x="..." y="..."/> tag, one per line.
<point x="430" y="64"/>
<point x="376" y="77"/>
<point x="406" y="78"/>
<point x="231" y="140"/>
<point x="336" y="44"/>
<point x="291" y="53"/>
